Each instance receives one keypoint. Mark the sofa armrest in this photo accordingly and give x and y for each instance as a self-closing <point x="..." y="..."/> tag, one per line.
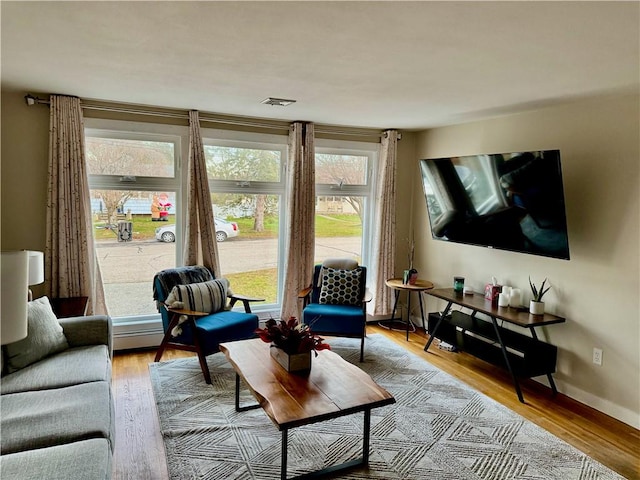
<point x="88" y="330"/>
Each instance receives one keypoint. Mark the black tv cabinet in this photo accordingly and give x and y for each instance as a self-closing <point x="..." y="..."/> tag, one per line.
<point x="524" y="356"/>
<point x="528" y="356"/>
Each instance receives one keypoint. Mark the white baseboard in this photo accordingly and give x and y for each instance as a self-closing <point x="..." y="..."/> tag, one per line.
<point x="601" y="404"/>
<point x="141" y="334"/>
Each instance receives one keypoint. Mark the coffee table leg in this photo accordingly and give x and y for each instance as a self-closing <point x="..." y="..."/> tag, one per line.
<point x="246" y="407"/>
<point x="359" y="462"/>
<point x="237" y="392"/>
<point x="283" y="465"/>
<point x="366" y="436"/>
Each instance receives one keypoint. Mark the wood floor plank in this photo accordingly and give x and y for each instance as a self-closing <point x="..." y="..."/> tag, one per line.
<point x="140" y="455"/>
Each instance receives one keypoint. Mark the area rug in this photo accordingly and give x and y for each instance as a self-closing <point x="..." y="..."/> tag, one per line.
<point x="438" y="429"/>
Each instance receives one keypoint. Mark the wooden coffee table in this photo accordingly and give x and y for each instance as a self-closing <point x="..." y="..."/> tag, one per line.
<point x="333" y="388"/>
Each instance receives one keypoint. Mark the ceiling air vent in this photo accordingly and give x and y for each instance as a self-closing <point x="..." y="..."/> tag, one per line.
<point x="280" y="102"/>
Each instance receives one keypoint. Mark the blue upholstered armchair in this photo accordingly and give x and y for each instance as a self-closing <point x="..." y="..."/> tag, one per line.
<point x="195" y="313"/>
<point x="335" y="303"/>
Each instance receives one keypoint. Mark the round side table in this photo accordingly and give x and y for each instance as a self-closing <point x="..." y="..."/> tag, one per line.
<point x="418" y="287"/>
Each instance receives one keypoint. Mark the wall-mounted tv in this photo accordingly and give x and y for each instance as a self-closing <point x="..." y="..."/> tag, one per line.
<point x="508" y="201"/>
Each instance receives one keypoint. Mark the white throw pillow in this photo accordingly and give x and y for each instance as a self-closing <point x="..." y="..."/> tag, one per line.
<point x="208" y="297"/>
<point x="44" y="337"/>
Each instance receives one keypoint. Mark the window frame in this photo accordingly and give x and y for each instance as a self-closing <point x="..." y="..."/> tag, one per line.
<point x="238" y="139"/>
<point x="127" y="130"/>
<point x="361" y="149"/>
<point x="179" y="135"/>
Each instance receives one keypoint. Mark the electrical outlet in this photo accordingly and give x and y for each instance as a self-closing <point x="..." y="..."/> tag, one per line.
<point x="597" y="356"/>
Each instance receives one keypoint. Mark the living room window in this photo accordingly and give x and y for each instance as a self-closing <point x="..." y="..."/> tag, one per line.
<point x="343" y="199"/>
<point x="247" y="184"/>
<point x="134" y="181"/>
<point x="136" y="175"/>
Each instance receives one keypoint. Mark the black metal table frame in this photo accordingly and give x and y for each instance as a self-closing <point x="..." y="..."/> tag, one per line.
<point x="358" y="462"/>
<point x="516" y="384"/>
<point x="409" y="323"/>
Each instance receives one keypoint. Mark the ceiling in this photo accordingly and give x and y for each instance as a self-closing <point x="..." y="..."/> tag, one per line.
<point x="407" y="65"/>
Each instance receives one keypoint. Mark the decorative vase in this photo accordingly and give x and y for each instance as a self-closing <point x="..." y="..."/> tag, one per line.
<point x="536" y="308"/>
<point x="413" y="276"/>
<point x="410" y="276"/>
<point x="458" y="285"/>
<point x="296" y="362"/>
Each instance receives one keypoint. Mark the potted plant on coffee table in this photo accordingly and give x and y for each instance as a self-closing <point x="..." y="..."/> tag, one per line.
<point x="536" y="305"/>
<point x="291" y="343"/>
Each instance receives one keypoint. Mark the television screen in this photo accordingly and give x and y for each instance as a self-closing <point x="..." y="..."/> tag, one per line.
<point x="508" y="201"/>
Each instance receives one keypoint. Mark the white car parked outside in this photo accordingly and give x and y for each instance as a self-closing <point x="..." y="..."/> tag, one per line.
<point x="224" y="230"/>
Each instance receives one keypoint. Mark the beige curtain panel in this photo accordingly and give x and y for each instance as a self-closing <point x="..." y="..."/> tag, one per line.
<point x="384" y="243"/>
<point x="200" y="247"/>
<point x="72" y="268"/>
<point x="301" y="193"/>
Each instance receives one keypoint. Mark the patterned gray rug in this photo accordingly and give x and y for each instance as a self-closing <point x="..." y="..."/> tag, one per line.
<point x="438" y="429"/>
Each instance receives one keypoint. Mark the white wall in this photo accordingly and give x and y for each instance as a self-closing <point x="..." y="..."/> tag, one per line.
<point x="598" y="289"/>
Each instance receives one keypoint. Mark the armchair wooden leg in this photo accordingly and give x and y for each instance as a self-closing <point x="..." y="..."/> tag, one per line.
<point x="162" y="346"/>
<point x="364" y="334"/>
<point x="204" y="367"/>
<point x="201" y="357"/>
<point x="167" y="337"/>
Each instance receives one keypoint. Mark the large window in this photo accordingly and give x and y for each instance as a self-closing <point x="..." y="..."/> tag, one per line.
<point x="138" y="194"/>
<point x="343" y="199"/>
<point x="134" y="185"/>
<point x="246" y="179"/>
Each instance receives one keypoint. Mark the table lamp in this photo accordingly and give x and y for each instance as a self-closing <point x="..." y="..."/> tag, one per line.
<point x="36" y="269"/>
<point x="14" y="290"/>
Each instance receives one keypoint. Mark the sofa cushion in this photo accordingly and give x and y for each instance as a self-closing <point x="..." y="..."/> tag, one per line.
<point x="88" y="330"/>
<point x="71" y="367"/>
<point x="208" y="297"/>
<point x="340" y="287"/>
<point x="87" y="459"/>
<point x="45" y="337"/>
<point x="345" y="320"/>
<point x="45" y="418"/>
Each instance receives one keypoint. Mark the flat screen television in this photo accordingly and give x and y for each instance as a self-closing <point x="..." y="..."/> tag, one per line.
<point x="508" y="201"/>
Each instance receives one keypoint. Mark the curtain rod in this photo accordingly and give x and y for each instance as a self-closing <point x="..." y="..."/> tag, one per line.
<point x="210" y="117"/>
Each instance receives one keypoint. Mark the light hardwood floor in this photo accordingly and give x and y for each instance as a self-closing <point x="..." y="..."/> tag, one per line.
<point x="139" y="453"/>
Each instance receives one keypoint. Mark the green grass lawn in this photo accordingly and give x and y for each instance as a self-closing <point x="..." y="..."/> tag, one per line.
<point x="326" y="226"/>
<point x="258" y="283"/>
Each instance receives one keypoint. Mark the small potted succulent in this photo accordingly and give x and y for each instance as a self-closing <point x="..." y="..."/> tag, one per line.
<point x="291" y="343"/>
<point x="536" y="306"/>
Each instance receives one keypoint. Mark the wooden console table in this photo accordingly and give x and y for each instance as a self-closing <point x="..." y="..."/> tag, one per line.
<point x="522" y="355"/>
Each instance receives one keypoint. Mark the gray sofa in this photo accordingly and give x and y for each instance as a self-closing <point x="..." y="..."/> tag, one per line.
<point x="57" y="418"/>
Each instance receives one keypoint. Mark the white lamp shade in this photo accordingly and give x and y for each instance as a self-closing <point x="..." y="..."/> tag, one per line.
<point x="36" y="267"/>
<point x="13" y="302"/>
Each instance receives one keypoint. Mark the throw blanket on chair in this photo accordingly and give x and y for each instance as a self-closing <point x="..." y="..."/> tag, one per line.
<point x="167" y="279"/>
